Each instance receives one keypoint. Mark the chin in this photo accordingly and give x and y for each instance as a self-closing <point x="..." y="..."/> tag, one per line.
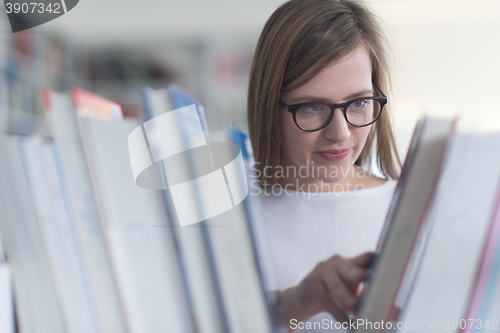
<point x="330" y="180"/>
<point x="331" y="172"/>
<point x="327" y="173"/>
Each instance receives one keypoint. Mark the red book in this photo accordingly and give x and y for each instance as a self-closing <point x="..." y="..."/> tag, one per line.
<point x="94" y="106"/>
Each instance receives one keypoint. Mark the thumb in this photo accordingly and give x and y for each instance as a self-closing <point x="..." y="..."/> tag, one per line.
<point x="364" y="260"/>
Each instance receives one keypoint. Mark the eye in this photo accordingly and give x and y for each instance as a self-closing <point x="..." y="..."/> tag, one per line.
<point x="314" y="108"/>
<point x="360" y="104"/>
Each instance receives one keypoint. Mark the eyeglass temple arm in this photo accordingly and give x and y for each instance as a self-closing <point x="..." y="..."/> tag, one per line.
<point x="380" y="91"/>
<point x="284" y="105"/>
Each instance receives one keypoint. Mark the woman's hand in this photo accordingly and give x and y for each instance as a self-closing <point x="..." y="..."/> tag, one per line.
<point x="331" y="286"/>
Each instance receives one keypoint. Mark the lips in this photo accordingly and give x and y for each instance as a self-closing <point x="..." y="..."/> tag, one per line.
<point x="334" y="154"/>
<point x="334" y="151"/>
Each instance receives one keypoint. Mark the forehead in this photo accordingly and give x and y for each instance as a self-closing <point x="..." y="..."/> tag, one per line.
<point x="349" y="75"/>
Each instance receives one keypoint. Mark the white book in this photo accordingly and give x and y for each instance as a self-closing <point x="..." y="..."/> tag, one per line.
<point x="461" y="216"/>
<point x="6" y="300"/>
<point x="198" y="272"/>
<point x="58" y="234"/>
<point x="405" y="226"/>
<point x="233" y="249"/>
<point x="83" y="212"/>
<point x="257" y="232"/>
<point x="140" y="236"/>
<point x="35" y="296"/>
<point x="484" y="304"/>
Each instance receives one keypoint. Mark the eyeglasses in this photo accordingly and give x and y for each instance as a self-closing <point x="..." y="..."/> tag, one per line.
<point x="360" y="112"/>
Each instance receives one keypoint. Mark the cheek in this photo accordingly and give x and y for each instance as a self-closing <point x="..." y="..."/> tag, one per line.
<point x="287" y="135"/>
<point x="294" y="141"/>
<point x="361" y="135"/>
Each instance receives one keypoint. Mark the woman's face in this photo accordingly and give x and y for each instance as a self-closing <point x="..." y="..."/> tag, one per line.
<point x="330" y="153"/>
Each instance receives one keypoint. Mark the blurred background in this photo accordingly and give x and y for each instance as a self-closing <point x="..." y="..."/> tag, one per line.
<point x="445" y="57"/>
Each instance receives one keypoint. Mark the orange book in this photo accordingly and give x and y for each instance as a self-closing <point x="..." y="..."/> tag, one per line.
<point x="94" y="106"/>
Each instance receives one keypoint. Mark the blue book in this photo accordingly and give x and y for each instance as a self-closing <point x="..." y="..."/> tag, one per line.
<point x="258" y="235"/>
<point x="191" y="241"/>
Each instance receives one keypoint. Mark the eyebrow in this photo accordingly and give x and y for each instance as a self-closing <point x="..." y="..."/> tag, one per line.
<point x="307" y="98"/>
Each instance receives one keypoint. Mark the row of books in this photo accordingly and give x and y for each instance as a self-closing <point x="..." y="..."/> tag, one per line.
<point x="91" y="251"/>
<point x="115" y="225"/>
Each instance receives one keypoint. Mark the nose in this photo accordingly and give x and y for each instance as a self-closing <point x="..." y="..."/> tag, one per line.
<point x="338" y="128"/>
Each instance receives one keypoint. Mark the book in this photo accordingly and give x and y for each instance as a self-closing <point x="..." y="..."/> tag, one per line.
<point x="230" y="238"/>
<point x="7" y="324"/>
<point x="256" y="231"/>
<point x="36" y="304"/>
<point x="461" y="217"/>
<point x="484" y="304"/>
<point x="93" y="106"/>
<point x="166" y="145"/>
<point x="58" y="235"/>
<point x="99" y="272"/>
<point x="140" y="243"/>
<point x="406" y="220"/>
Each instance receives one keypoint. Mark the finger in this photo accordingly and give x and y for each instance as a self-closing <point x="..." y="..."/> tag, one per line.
<point x="364" y="260"/>
<point x="330" y="307"/>
<point x="350" y="273"/>
<point x="345" y="268"/>
<point x="341" y="294"/>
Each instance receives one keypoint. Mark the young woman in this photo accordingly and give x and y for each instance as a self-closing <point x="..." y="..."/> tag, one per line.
<point x="317" y="112"/>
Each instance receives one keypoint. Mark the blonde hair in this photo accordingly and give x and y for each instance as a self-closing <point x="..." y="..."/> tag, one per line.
<point x="301" y="38"/>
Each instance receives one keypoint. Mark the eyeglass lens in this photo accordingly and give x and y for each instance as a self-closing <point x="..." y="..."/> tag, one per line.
<point x="359" y="113"/>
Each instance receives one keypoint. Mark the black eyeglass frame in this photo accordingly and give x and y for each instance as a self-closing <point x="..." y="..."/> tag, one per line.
<point x="343" y="106"/>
